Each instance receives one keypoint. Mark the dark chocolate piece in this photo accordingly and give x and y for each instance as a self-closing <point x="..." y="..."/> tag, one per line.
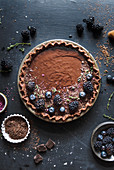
<point x="50" y="144"/>
<point x="38" y="158"/>
<point x="42" y="148"/>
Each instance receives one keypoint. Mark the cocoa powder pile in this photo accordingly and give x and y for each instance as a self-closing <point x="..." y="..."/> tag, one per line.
<point x="16" y="127"/>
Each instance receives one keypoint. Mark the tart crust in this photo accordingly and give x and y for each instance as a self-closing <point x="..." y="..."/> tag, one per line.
<point x="22" y="85"/>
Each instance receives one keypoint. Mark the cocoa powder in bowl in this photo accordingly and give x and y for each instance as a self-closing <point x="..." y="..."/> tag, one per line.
<point x="16" y="127"/>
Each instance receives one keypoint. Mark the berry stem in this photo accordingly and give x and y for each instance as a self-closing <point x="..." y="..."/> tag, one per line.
<point x="109" y="117"/>
<point x="71" y="97"/>
<point x="16" y="45"/>
<point x="109" y="100"/>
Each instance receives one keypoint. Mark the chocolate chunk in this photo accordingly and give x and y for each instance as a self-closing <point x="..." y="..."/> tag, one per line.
<point x="42" y="148"/>
<point x="38" y="158"/>
<point x="50" y="144"/>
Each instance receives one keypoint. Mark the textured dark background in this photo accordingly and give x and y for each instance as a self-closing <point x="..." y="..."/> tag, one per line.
<point x="53" y="19"/>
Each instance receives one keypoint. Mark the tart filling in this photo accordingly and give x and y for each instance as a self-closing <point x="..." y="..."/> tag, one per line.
<point x="58" y="81"/>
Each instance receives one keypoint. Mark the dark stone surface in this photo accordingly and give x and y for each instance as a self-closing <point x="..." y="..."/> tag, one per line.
<point x="53" y="19"/>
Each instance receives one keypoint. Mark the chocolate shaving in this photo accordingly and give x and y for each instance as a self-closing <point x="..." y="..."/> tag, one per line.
<point x="38" y="158"/>
<point x="41" y="148"/>
<point x="50" y="144"/>
<point x="16" y="127"/>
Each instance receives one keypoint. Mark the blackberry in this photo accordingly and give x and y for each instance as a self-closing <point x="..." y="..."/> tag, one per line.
<point x="107" y="140"/>
<point x="57" y="100"/>
<point x="25" y="34"/>
<point x="32" y="30"/>
<point x="80" y="29"/>
<point x="88" y="87"/>
<point x="40" y="104"/>
<point x="98" y="145"/>
<point x="6" y="66"/>
<point x="73" y="106"/>
<point x="82" y="95"/>
<point x="97" y="29"/>
<point x="51" y="110"/>
<point x="48" y="95"/>
<point x="89" y="22"/>
<point x="31" y="85"/>
<point x="32" y="97"/>
<point x="109" y="78"/>
<point x="89" y="76"/>
<point x="110" y="132"/>
<point x="109" y="149"/>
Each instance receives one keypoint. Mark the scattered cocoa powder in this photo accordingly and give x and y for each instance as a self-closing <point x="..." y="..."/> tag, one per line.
<point x="16" y="127"/>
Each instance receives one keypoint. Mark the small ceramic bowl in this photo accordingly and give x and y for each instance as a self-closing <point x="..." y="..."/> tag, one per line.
<point x="95" y="133"/>
<point x="6" y="135"/>
<point x="3" y="102"/>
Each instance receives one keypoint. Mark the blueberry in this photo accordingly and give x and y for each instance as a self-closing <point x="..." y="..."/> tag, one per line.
<point x="82" y="94"/>
<point x="48" y="95"/>
<point x="89" y="76"/>
<point x="31" y="85"/>
<point x="32" y="97"/>
<point x="103" y="148"/>
<point x="51" y="110"/>
<point x="103" y="133"/>
<point x="113" y="79"/>
<point x="113" y="140"/>
<point x="100" y="137"/>
<point x="25" y="34"/>
<point x="109" y="78"/>
<point x="103" y="154"/>
<point x="62" y="109"/>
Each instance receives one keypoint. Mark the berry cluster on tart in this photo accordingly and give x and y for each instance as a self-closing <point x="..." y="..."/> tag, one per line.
<point x="58" y="81"/>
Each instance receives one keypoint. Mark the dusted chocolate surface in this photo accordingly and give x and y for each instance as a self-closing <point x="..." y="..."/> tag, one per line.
<point x="56" y="68"/>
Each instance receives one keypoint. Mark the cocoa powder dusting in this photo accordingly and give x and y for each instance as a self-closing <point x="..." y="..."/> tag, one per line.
<point x="53" y="68"/>
<point x="16" y="127"/>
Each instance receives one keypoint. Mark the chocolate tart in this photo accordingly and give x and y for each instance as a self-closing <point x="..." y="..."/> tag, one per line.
<point x="61" y="68"/>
